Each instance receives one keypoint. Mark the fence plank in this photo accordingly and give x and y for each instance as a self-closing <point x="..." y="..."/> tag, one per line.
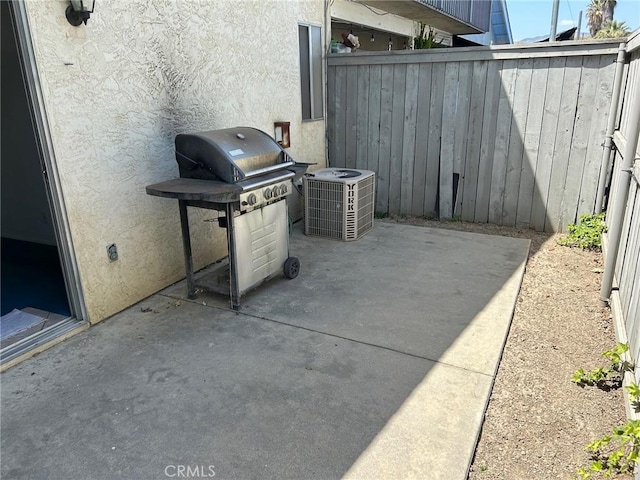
<point x="532" y="141"/>
<point x="580" y="140"/>
<point x="462" y="124"/>
<point x="633" y="313"/>
<point x="562" y="145"/>
<point x="516" y="146"/>
<point x="351" y="116"/>
<point x="397" y="135"/>
<point x="422" y="138"/>
<point x="488" y="142"/>
<point x="503" y="131"/>
<point x="373" y="122"/>
<point x="631" y="90"/>
<point x="624" y="234"/>
<point x="547" y="142"/>
<point x="599" y="119"/>
<point x="445" y="199"/>
<point x="629" y="260"/>
<point x="633" y="310"/>
<point x="476" y="111"/>
<point x="620" y="113"/>
<point x="386" y="106"/>
<point x="628" y="254"/>
<point x="362" y="118"/>
<point x="433" y="149"/>
<point x="341" y="106"/>
<point x="409" y="138"/>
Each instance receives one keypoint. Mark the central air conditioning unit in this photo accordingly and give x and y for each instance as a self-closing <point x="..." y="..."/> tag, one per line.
<point x="339" y="203"/>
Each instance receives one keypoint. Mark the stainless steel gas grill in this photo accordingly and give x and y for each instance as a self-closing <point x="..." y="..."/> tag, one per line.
<point x="244" y="173"/>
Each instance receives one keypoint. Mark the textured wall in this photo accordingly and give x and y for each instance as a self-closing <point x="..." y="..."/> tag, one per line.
<point x="118" y="91"/>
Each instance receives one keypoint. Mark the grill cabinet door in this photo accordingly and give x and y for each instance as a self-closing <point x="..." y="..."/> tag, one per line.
<point x="262" y="244"/>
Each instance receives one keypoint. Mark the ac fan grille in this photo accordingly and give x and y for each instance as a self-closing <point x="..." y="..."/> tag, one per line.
<point x="324" y="216"/>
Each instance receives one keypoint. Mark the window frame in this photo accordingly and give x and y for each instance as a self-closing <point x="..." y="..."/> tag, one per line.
<point x="310" y="67"/>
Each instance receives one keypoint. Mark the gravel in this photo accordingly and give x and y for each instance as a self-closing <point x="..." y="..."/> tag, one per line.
<point x="538" y="421"/>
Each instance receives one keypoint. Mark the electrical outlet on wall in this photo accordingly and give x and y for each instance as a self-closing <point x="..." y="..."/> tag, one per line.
<point x="112" y="252"/>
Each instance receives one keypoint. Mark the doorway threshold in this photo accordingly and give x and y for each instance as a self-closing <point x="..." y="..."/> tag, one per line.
<point x="40" y="341"/>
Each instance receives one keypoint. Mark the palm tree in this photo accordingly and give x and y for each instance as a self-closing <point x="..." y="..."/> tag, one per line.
<point x="594" y="16"/>
<point x="613" y="29"/>
<point x="599" y="13"/>
<point x="607" y="10"/>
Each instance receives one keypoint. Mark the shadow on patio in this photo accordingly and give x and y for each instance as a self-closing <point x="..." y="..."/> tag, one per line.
<point x="376" y="361"/>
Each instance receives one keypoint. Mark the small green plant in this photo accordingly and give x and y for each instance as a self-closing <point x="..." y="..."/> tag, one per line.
<point x="634" y="392"/>
<point x="586" y="234"/>
<point x="426" y="39"/>
<point x="380" y="215"/>
<point x="601" y="375"/>
<point x="634" y="395"/>
<point x="616" y="453"/>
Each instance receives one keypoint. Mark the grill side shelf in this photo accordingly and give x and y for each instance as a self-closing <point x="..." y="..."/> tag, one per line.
<point x="193" y="189"/>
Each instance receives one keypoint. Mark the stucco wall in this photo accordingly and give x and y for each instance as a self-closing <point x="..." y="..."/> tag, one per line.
<point x="118" y="91"/>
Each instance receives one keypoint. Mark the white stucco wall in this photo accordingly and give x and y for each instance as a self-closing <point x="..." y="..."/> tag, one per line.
<point x="118" y="91"/>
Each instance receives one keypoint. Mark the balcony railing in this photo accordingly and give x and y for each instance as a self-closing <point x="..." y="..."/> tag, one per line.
<point x="453" y="16"/>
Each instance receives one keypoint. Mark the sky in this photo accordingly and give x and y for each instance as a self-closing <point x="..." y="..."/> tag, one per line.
<point x="532" y="18"/>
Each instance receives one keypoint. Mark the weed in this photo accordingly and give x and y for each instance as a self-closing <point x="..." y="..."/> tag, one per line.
<point x="601" y="375"/>
<point x="634" y="395"/>
<point x="380" y="215"/>
<point x="587" y="234"/>
<point x="615" y="453"/>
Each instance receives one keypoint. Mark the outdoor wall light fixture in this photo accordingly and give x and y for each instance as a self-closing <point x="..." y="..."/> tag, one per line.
<point x="79" y="11"/>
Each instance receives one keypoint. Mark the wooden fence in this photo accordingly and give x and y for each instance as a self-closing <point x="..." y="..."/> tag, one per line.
<point x="627" y="271"/>
<point x="510" y="135"/>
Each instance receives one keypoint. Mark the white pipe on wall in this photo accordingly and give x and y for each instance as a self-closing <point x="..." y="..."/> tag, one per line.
<point x="611" y="126"/>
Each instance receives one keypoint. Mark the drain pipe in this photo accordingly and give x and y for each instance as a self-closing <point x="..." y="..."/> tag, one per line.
<point x="611" y="126"/>
<point x="619" y="202"/>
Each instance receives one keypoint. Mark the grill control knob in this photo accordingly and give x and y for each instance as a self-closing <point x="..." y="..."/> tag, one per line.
<point x="252" y="199"/>
<point x="283" y="189"/>
<point x="276" y="191"/>
<point x="268" y="193"/>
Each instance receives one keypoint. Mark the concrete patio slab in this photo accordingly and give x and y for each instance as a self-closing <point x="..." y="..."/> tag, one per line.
<point x="376" y="362"/>
<point x="412" y="289"/>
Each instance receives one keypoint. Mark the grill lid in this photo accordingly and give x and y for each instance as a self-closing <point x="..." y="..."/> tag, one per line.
<point x="230" y="155"/>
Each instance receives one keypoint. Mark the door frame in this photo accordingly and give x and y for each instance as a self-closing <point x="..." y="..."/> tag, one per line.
<point x="44" y="144"/>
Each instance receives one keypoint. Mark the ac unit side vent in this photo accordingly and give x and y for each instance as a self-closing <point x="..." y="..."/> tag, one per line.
<point x="339" y="203"/>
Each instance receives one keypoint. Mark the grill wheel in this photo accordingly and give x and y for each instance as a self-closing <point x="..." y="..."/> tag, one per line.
<point x="291" y="267"/>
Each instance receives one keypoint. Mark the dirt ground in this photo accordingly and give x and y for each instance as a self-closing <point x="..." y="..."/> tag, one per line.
<point x="538" y="421"/>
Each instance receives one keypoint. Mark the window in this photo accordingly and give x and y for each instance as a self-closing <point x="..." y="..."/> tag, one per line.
<point x="310" y="40"/>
